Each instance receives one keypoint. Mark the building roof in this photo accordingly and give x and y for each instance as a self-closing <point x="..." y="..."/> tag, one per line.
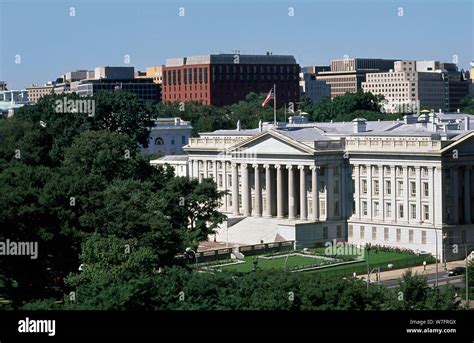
<point x="230" y="59"/>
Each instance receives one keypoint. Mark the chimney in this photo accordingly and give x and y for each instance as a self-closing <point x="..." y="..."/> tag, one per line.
<point x="260" y="126"/>
<point x="467" y="123"/>
<point x="359" y="125"/>
<point x="238" y="125"/>
<point x="458" y="110"/>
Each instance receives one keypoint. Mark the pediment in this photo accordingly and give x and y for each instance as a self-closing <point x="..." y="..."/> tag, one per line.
<point x="272" y="144"/>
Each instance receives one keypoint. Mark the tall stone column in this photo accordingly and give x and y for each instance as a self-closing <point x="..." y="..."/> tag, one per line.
<point x="455" y="179"/>
<point x="393" y="192"/>
<point x="357" y="190"/>
<point x="235" y="189"/>
<point x="257" y="211"/>
<point x="467" y="194"/>
<point x="279" y="191"/>
<point x="200" y="175"/>
<point x="268" y="191"/>
<point x="406" y="190"/>
<point x="381" y="191"/>
<point x="419" y="207"/>
<point x="315" y="192"/>
<point x="224" y="183"/>
<point x="329" y="192"/>
<point x="303" y="198"/>
<point x="291" y="192"/>
<point x="206" y="169"/>
<point x="246" y="201"/>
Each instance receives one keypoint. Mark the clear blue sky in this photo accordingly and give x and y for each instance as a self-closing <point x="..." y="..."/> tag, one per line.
<point x="51" y="42"/>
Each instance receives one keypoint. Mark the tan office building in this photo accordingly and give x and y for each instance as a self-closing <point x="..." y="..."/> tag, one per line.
<point x="405" y="89"/>
<point x="156" y="73"/>
<point x="35" y="92"/>
<point x="347" y="75"/>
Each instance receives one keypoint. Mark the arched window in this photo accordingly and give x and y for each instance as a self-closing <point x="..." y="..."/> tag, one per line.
<point x="159" y="141"/>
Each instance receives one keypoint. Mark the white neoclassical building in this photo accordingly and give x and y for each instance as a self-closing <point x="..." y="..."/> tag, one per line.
<point x="405" y="183"/>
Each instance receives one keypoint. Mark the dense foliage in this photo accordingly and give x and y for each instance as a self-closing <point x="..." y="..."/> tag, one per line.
<point x="67" y="177"/>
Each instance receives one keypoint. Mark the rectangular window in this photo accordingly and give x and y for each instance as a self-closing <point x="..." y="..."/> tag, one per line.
<point x="339" y="231"/>
<point x="219" y="180"/>
<point x="400" y="188"/>
<point x="423" y="237"/>
<point x="323" y="208"/>
<point x="388" y="207"/>
<point x="374" y="233"/>
<point x="364" y="186"/>
<point x="400" y="211"/>
<point x="364" y="208"/>
<point x="376" y="187"/>
<point x="388" y="187"/>
<point x="325" y="232"/>
<point x="362" y="232"/>
<point x="351" y="231"/>
<point x="412" y="188"/>
<point x="413" y="211"/>
<point x="410" y="236"/>
<point x="426" y="190"/>
<point x="385" y="234"/>
<point x="399" y="235"/>
<point x="376" y="209"/>
<point x="426" y="212"/>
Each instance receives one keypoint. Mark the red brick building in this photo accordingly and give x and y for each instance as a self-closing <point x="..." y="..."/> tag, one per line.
<point x="225" y="79"/>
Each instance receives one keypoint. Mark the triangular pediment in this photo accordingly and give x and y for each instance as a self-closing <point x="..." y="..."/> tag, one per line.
<point x="271" y="143"/>
<point x="462" y="145"/>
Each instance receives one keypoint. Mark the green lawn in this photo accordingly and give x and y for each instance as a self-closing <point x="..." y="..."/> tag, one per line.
<point x="277" y="263"/>
<point x="376" y="259"/>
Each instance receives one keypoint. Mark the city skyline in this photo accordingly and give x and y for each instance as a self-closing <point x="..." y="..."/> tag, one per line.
<point x="156" y="34"/>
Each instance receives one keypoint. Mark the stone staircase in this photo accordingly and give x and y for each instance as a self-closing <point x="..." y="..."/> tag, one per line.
<point x="253" y="230"/>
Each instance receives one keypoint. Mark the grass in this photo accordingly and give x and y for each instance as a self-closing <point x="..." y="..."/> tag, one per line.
<point x="377" y="258"/>
<point x="276" y="263"/>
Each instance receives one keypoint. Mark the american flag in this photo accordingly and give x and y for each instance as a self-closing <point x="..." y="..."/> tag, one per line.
<point x="269" y="97"/>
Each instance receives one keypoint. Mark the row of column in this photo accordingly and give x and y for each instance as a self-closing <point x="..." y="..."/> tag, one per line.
<point x="280" y="200"/>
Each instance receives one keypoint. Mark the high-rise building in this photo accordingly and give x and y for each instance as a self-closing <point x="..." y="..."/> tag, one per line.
<point x="415" y="84"/>
<point x="347" y="75"/>
<point x="225" y="79"/>
<point x="312" y="88"/>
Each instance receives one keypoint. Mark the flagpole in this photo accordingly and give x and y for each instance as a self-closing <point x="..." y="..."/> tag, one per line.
<point x="274" y="105"/>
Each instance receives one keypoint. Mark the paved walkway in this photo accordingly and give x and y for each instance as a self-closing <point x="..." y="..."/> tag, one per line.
<point x="430" y="268"/>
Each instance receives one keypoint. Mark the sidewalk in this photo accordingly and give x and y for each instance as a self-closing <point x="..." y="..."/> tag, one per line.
<point x="430" y="269"/>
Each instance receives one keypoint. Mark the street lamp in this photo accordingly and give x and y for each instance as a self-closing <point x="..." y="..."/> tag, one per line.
<point x="188" y="251"/>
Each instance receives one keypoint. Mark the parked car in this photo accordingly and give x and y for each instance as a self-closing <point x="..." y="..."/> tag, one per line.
<point x="456" y="271"/>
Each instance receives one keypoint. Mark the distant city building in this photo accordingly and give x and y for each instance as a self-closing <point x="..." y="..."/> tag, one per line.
<point x="312" y="88"/>
<point x="156" y="73"/>
<point x="225" y="79"/>
<point x="414" y="84"/>
<point x="111" y="79"/>
<point x="3" y="85"/>
<point x="35" y="92"/>
<point x="178" y="162"/>
<point x="10" y="100"/>
<point x="168" y="136"/>
<point x="114" y="73"/>
<point x="471" y="77"/>
<point x="347" y="75"/>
